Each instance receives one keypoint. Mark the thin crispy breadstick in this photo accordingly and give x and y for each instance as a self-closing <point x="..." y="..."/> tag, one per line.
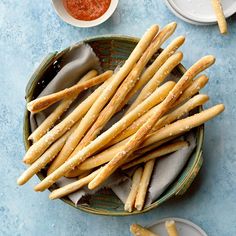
<point x="217" y="7"/>
<point x="164" y="107"/>
<point x="164" y="150"/>
<point x="144" y="183"/>
<point x="193" y="89"/>
<point x="188" y="93"/>
<point x="178" y="127"/>
<point x="60" y="109"/>
<point x="134" y="189"/>
<point x="154" y="99"/>
<point x="47" y="157"/>
<point x="138" y="230"/>
<point x="108" y="92"/>
<point x="157" y="79"/>
<point x="42" y="103"/>
<point x="155" y="66"/>
<point x="194" y="102"/>
<point x="38" y="148"/>
<point x="70" y="188"/>
<point x="116" y="100"/>
<point x="184" y="125"/>
<point x="171" y="228"/>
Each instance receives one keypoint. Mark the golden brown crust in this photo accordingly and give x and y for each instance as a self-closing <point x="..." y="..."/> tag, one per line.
<point x="144" y="183"/>
<point x="42" y="103"/>
<point x="216" y="4"/>
<point x="134" y="189"/>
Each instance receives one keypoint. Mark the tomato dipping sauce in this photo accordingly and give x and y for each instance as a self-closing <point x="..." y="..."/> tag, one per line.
<point x="87" y="10"/>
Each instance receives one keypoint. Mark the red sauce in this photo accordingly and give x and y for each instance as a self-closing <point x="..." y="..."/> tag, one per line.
<point x="87" y="9"/>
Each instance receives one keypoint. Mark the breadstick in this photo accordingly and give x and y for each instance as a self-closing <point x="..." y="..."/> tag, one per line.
<point x="108" y="92"/>
<point x="42" y="103"/>
<point x="171" y="228"/>
<point x="217" y="7"/>
<point x="157" y="79"/>
<point x="60" y="109"/>
<point x="38" y="148"/>
<point x="138" y="230"/>
<point x="116" y="100"/>
<point x="193" y="89"/>
<point x="47" y="157"/>
<point x="164" y="150"/>
<point x="194" y="102"/>
<point x="144" y="183"/>
<point x="184" y="125"/>
<point x="134" y="189"/>
<point x="154" y="67"/>
<point x="70" y="188"/>
<point x="154" y="99"/>
<point x="164" y="107"/>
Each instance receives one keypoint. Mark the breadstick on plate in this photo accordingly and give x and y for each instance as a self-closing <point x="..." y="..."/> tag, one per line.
<point x="154" y="67"/>
<point x="102" y="100"/>
<point x="178" y="127"/>
<point x="47" y="157"/>
<point x="138" y="230"/>
<point x="164" y="107"/>
<point x="198" y="100"/>
<point x="38" y="148"/>
<point x="111" y="108"/>
<point x="154" y="99"/>
<point x="134" y="189"/>
<point x="217" y="7"/>
<point x="171" y="228"/>
<point x="60" y="109"/>
<point x="164" y="150"/>
<point x="144" y="183"/>
<point x="42" y="103"/>
<point x="70" y="188"/>
<point x="157" y="79"/>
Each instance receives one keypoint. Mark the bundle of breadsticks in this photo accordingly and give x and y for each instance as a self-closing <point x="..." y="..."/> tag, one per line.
<point x="82" y="146"/>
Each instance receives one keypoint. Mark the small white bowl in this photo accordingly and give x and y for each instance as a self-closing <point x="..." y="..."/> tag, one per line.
<point x="65" y="16"/>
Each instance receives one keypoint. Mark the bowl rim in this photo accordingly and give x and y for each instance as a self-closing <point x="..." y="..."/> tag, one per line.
<point x="66" y="17"/>
<point x="185" y="182"/>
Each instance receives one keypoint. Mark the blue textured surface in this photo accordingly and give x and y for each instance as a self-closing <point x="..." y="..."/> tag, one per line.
<point x="31" y="29"/>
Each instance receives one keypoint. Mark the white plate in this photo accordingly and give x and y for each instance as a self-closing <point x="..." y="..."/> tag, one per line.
<point x="199" y="11"/>
<point x="65" y="16"/>
<point x="184" y="227"/>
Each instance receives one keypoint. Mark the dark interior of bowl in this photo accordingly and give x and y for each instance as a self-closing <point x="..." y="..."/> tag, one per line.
<point x="112" y="51"/>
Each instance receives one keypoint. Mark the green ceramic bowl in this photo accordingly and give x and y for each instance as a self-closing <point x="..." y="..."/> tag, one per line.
<point x="112" y="50"/>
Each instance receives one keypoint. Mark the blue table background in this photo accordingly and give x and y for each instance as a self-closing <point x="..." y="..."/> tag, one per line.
<point x="31" y="29"/>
